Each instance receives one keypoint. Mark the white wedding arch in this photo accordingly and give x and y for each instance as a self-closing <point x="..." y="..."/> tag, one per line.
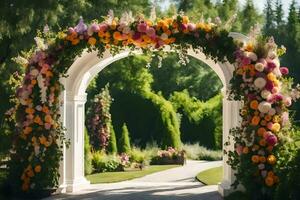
<point x="79" y="75"/>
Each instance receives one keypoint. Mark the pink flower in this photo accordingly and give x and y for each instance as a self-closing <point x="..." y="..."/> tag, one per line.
<point x="284" y="70"/>
<point x="269" y="86"/>
<point x="142" y="27"/>
<point x="71" y="30"/>
<point x="246" y="61"/>
<point x="269" y="126"/>
<point x="271" y="139"/>
<point x="103" y="27"/>
<point x="150" y="32"/>
<point x="47" y="126"/>
<point x="285" y="118"/>
<point x="95" y="27"/>
<point x="287" y="101"/>
<point x="261" y="166"/>
<point x="184" y="27"/>
<point x="191" y="27"/>
<point x="270" y="66"/>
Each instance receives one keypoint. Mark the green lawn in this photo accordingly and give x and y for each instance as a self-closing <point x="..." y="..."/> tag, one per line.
<point x="112" y="177"/>
<point x="211" y="176"/>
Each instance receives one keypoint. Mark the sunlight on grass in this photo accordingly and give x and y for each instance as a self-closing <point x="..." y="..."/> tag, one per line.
<point x="112" y="177"/>
<point x="211" y="176"/>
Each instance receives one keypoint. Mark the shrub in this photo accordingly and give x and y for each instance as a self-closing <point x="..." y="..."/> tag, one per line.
<point x="112" y="145"/>
<point x="106" y="163"/>
<point x="169" y="156"/>
<point x="88" y="168"/>
<point x="197" y="152"/>
<point x="125" y="146"/>
<point x="139" y="156"/>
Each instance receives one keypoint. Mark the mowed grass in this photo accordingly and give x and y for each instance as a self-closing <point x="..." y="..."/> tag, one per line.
<point x="211" y="176"/>
<point x="128" y="174"/>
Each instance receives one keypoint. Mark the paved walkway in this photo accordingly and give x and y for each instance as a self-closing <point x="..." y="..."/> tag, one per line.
<point x="173" y="184"/>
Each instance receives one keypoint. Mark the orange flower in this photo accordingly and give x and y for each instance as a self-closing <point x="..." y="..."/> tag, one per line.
<point x="255" y="158"/>
<point x="92" y="41"/>
<point x="261" y="131"/>
<point x="75" y="41"/>
<point x="271" y="159"/>
<point x="27" y="130"/>
<point x="262" y="159"/>
<point x="255" y="147"/>
<point x="262" y="142"/>
<point x="48" y="119"/>
<point x="38" y="120"/>
<point x="38" y="168"/>
<point x="255" y="120"/>
<point x="245" y="150"/>
<point x="249" y="47"/>
<point x="45" y="109"/>
<point x="269" y="181"/>
<point x="268" y="118"/>
<point x="43" y="139"/>
<point x="33" y="82"/>
<point x="29" y="110"/>
<point x="254" y="104"/>
<point x="117" y="35"/>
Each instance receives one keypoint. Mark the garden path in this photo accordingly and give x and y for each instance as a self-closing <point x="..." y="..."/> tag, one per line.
<point x="173" y="184"/>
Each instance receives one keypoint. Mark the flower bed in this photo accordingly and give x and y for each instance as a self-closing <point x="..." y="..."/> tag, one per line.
<point x="169" y="156"/>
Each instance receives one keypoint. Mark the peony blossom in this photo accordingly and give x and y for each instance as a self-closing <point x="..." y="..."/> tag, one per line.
<point x="284" y="70"/>
<point x="272" y="140"/>
<point x="260" y="83"/>
<point x="264" y="107"/>
<point x="142" y="27"/>
<point x="265" y="94"/>
<point x="270" y="66"/>
<point x="259" y="67"/>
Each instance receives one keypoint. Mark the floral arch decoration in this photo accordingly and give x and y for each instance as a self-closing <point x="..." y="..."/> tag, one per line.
<point x="257" y="80"/>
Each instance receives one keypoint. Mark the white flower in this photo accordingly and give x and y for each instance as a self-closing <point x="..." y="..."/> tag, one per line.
<point x="126" y="30"/>
<point x="259" y="67"/>
<point x="264" y="107"/>
<point x="272" y="112"/>
<point x="251" y="55"/>
<point x="265" y="94"/>
<point x="21" y="61"/>
<point x="272" y="55"/>
<point x="164" y="36"/>
<point x="34" y="72"/>
<point x="260" y="83"/>
<point x="40" y="43"/>
<point x="43" y="88"/>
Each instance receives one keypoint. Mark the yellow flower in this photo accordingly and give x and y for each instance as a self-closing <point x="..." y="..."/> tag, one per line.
<point x="271" y="76"/>
<point x="185" y="19"/>
<point x="271" y="159"/>
<point x="92" y="41"/>
<point x="276" y="127"/>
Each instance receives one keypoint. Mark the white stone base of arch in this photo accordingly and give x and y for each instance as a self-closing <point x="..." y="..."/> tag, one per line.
<point x="82" y="71"/>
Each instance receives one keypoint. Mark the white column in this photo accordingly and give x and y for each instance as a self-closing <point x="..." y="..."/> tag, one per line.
<point x="231" y="119"/>
<point x="74" y="158"/>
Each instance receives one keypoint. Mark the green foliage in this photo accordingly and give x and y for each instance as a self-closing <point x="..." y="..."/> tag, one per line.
<point x="87" y="154"/>
<point x="124" y="141"/>
<point x="112" y="145"/>
<point x="200" y="121"/>
<point x="194" y="77"/>
<point x="140" y="156"/>
<point x="105" y="162"/>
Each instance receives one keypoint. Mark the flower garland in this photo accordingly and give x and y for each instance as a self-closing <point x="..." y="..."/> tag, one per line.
<point x="36" y="148"/>
<point x="259" y="81"/>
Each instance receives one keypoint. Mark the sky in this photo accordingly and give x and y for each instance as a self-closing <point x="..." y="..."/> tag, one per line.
<point x="260" y="4"/>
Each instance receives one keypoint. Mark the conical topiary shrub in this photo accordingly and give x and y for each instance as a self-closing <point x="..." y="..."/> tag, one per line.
<point x="124" y="141"/>
<point x="112" y="145"/>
